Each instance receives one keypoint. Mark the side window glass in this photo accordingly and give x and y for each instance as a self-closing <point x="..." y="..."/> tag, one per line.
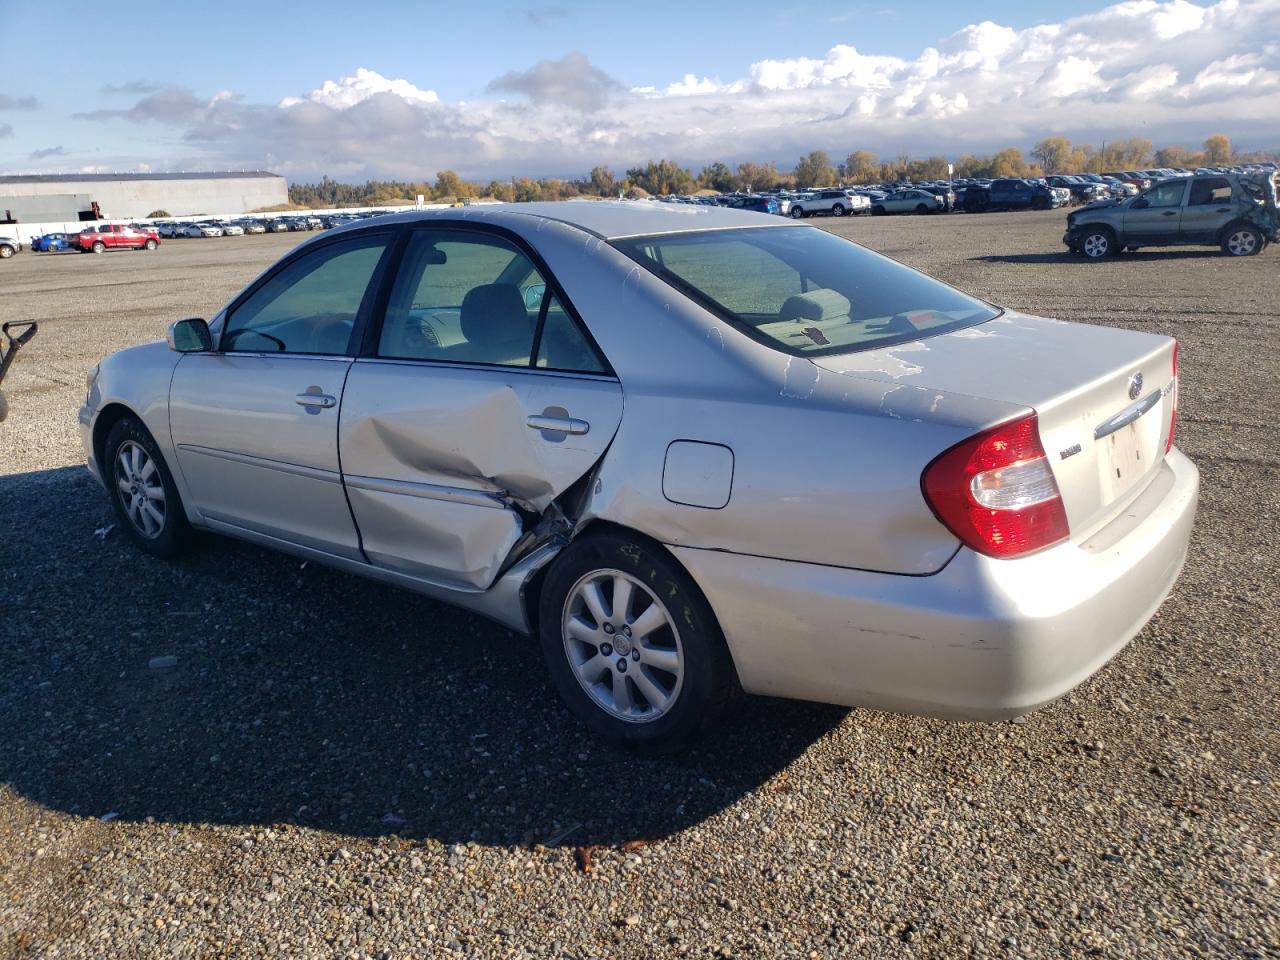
<point x="563" y="347"/>
<point x="1210" y="190"/>
<point x="1166" y="195"/>
<point x="462" y="297"/>
<point x="310" y="306"/>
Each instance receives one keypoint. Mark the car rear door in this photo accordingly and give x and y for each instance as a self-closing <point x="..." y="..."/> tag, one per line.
<point x="255" y="422"/>
<point x="478" y="400"/>
<point x="1208" y="209"/>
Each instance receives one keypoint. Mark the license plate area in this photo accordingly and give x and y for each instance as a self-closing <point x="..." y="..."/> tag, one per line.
<point x="1126" y="456"/>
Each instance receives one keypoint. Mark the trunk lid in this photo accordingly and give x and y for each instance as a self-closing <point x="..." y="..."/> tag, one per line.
<point x="1104" y="397"/>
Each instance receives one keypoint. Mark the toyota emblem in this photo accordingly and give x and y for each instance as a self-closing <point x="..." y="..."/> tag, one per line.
<point x="1135" y="385"/>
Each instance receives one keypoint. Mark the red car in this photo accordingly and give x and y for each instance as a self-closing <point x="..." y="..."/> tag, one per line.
<point x="115" y="236"/>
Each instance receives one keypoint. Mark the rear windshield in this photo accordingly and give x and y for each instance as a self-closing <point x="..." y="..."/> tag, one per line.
<point x="804" y="291"/>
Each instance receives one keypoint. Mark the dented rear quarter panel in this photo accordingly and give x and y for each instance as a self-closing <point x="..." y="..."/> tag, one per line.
<point x="826" y="467"/>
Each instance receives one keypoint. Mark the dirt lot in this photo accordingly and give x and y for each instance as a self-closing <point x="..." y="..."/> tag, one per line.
<point x="335" y="768"/>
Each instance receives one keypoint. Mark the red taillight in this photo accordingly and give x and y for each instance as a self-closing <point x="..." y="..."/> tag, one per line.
<point x="1173" y="407"/>
<point x="996" y="491"/>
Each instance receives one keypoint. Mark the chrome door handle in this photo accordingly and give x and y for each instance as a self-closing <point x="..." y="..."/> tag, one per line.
<point x="315" y="400"/>
<point x="569" y="425"/>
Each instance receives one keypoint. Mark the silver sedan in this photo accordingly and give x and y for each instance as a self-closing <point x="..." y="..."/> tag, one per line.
<point x="691" y="450"/>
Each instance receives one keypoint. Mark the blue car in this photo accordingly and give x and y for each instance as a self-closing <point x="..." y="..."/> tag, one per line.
<point x="51" y="243"/>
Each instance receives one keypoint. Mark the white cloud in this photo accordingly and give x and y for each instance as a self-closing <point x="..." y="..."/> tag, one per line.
<point x="360" y="86"/>
<point x="1170" y="70"/>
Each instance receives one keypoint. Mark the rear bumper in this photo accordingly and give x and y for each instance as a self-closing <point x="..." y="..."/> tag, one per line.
<point x="982" y="639"/>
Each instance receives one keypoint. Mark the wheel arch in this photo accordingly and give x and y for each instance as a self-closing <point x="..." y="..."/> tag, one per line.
<point x="107" y="418"/>
<point x="1236" y="224"/>
<point x="596" y="526"/>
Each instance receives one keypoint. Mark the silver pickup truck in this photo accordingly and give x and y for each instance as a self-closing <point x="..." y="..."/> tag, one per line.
<point x="1237" y="212"/>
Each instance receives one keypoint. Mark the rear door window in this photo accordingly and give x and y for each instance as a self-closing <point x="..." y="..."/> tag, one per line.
<point x="804" y="291"/>
<point x="1209" y="190"/>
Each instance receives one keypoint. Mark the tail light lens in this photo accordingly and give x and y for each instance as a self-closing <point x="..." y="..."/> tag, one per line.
<point x="996" y="491"/>
<point x="1173" y="407"/>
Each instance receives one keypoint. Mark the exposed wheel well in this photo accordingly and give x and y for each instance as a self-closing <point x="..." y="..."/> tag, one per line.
<point x="1235" y="225"/>
<point x="533" y="589"/>
<point x="110" y="415"/>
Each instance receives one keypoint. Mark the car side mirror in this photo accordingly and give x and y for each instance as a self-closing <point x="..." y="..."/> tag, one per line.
<point x="190" y="336"/>
<point x="1140" y="204"/>
<point x="533" y="295"/>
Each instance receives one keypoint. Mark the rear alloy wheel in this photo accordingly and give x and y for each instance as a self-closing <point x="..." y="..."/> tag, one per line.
<point x="837" y="210"/>
<point x="631" y="644"/>
<point x="142" y="490"/>
<point x="1242" y="241"/>
<point x="99" y="246"/>
<point x="1097" y="245"/>
<point x="796" y="213"/>
<point x="150" y="244"/>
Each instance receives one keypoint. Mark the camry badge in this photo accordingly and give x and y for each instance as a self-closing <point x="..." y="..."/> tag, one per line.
<point x="1135" y="385"/>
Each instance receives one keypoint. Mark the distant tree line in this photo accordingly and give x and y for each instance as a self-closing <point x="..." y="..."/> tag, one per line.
<point x="816" y="169"/>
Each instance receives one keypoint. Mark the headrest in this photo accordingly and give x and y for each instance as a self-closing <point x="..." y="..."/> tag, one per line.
<point x="494" y="313"/>
<point x="824" y="304"/>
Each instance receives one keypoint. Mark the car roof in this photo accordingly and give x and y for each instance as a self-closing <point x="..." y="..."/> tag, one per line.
<point x="606" y="219"/>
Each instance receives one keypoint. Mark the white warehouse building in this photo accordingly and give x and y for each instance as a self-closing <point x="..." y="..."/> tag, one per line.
<point x="130" y="196"/>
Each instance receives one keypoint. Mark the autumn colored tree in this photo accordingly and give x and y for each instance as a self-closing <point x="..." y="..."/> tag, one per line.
<point x="758" y="176"/>
<point x="1217" y="150"/>
<point x="602" y="182"/>
<point x="815" y="170"/>
<point x="717" y="176"/>
<point x="1009" y="162"/>
<point x="861" y="166"/>
<point x="661" y="177"/>
<point x="1053" y="154"/>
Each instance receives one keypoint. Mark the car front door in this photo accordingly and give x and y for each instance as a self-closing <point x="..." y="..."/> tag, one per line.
<point x="1154" y="217"/>
<point x="255" y="422"/>
<point x="477" y="401"/>
<point x="1209" y="208"/>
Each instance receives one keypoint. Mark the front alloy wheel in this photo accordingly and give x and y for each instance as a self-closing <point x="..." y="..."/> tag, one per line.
<point x="139" y="488"/>
<point x="145" y="498"/>
<point x="1097" y="244"/>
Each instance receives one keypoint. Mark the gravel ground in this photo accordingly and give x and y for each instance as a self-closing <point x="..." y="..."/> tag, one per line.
<point x="329" y="767"/>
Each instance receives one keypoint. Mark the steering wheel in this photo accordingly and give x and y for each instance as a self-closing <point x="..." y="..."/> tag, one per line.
<point x="231" y="336"/>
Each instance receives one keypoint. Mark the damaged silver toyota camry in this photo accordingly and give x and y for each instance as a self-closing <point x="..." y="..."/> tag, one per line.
<point x="692" y="450"/>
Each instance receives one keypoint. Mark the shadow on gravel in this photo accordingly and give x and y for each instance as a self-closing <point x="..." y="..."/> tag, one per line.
<point x="1066" y="256"/>
<point x="298" y="694"/>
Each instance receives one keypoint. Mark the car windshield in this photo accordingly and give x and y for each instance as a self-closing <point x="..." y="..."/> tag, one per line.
<point x="804" y="291"/>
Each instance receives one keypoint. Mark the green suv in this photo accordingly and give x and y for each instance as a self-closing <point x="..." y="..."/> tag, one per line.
<point x="1237" y="212"/>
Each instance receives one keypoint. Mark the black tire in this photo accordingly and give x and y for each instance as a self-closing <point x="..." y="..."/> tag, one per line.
<point x="708" y="681"/>
<point x="1097" y="243"/>
<point x="99" y="246"/>
<point x="837" y="210"/>
<point x="1242" y="240"/>
<point x="1040" y="203"/>
<point x="6" y="251"/>
<point x="795" y="213"/>
<point x="922" y="208"/>
<point x="175" y="534"/>
<point x="877" y="211"/>
<point x="150" y="245"/>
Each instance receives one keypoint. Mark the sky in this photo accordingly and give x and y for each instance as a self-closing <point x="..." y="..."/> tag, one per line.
<point x="495" y="88"/>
